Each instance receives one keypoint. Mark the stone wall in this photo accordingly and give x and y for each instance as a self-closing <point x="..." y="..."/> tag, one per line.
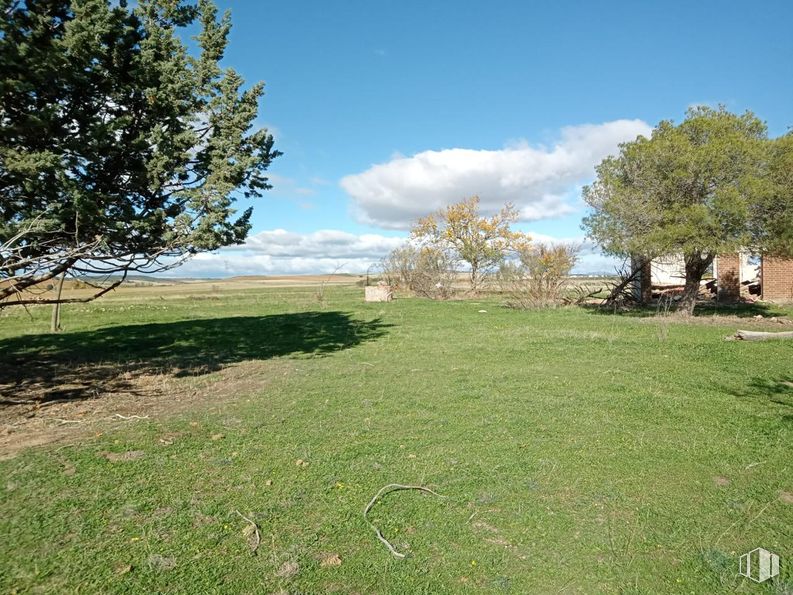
<point x="378" y="293"/>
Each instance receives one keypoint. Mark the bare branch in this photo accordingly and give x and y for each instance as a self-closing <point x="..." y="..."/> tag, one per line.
<point x="38" y="301"/>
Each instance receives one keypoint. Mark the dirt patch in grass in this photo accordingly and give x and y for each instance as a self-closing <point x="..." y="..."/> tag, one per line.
<point x="124" y="398"/>
<point x="771" y="323"/>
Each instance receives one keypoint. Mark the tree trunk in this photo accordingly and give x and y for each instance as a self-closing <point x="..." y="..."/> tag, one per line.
<point x="696" y="265"/>
<point x="474" y="277"/>
<point x="55" y="322"/>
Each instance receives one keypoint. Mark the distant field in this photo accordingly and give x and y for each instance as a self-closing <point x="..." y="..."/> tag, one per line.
<point x="576" y="451"/>
<point x="142" y="287"/>
<point x="161" y="287"/>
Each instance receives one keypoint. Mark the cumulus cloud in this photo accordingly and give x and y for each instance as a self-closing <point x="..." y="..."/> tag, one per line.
<point x="325" y="243"/>
<point x="224" y="264"/>
<point x="282" y="252"/>
<point x="538" y="180"/>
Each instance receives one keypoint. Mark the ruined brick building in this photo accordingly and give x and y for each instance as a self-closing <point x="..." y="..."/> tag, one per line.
<point x="770" y="277"/>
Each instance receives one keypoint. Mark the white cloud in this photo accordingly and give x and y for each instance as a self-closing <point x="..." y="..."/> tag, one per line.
<point x="281" y="252"/>
<point x="538" y="180"/>
<point x="325" y="243"/>
<point x="226" y="264"/>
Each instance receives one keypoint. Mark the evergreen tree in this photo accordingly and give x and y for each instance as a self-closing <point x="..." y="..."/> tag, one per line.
<point x="119" y="150"/>
<point x="691" y="189"/>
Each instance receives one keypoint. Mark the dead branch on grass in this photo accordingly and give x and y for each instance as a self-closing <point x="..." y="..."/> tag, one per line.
<point x="391" y="487"/>
<point x="251" y="532"/>
<point x="759" y="336"/>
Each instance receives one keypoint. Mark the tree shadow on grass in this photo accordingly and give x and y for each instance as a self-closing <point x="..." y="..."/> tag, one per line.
<point x="79" y="365"/>
<point x="777" y="392"/>
<point x="705" y="309"/>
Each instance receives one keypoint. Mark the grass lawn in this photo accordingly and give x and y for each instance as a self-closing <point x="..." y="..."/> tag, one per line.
<point x="575" y="451"/>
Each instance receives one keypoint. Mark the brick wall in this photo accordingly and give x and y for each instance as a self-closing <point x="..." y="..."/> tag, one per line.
<point x="729" y="279"/>
<point x="777" y="277"/>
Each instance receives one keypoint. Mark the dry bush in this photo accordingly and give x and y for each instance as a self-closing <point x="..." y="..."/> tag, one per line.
<point x="398" y="267"/>
<point x="538" y="278"/>
<point x="435" y="273"/>
<point x="427" y="271"/>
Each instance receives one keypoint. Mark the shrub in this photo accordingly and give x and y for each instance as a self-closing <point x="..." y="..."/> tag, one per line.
<point x="538" y="277"/>
<point x="428" y="271"/>
<point x="399" y="266"/>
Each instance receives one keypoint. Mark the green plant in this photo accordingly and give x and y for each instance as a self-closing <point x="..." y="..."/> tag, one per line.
<point x="574" y="450"/>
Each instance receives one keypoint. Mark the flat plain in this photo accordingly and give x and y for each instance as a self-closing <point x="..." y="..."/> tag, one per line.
<point x="573" y="450"/>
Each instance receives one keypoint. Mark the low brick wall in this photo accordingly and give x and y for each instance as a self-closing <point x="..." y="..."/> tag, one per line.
<point x="729" y="277"/>
<point x="777" y="278"/>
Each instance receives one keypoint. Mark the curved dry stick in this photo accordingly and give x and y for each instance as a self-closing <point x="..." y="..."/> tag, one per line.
<point x="255" y="527"/>
<point x="391" y="487"/>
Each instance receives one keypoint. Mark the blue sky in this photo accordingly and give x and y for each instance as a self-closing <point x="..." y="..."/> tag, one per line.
<point x="386" y="110"/>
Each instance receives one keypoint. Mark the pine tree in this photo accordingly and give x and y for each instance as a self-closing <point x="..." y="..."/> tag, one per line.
<point x="120" y="151"/>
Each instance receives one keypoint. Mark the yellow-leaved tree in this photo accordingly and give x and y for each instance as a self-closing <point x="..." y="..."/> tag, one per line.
<point x="482" y="242"/>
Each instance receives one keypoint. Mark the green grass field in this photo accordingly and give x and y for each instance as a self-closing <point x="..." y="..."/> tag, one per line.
<point x="575" y="451"/>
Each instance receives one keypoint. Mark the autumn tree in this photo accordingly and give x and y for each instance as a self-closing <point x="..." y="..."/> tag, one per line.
<point x="119" y="150"/>
<point x="689" y="189"/>
<point x="481" y="242"/>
